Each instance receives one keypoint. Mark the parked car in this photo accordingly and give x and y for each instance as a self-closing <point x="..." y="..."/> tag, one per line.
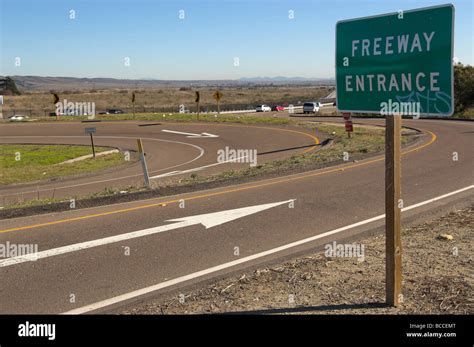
<point x="278" y="108"/>
<point x="311" y="107"/>
<point x="114" y="111"/>
<point x="18" y="118"/>
<point x="263" y="108"/>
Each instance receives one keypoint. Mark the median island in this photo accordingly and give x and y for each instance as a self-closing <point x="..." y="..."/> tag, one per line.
<point x="21" y="163"/>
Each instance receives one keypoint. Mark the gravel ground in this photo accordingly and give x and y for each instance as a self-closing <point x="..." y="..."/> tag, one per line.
<point x="438" y="279"/>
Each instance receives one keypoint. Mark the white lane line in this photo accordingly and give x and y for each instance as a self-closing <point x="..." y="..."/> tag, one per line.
<point x="201" y="150"/>
<point x="178" y="280"/>
<point x="426" y="202"/>
<point x="174" y="173"/>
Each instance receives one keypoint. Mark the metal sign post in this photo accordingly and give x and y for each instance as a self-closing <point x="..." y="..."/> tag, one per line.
<point x="196" y="99"/>
<point x="217" y="96"/>
<point x="55" y="101"/>
<point x="91" y="131"/>
<point x="133" y="104"/>
<point x="143" y="160"/>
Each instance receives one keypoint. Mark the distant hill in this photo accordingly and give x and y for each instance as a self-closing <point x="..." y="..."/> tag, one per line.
<point x="288" y="79"/>
<point x="38" y="83"/>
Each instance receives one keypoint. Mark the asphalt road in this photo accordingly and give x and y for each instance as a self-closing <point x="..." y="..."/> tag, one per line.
<point x="100" y="278"/>
<point x="165" y="152"/>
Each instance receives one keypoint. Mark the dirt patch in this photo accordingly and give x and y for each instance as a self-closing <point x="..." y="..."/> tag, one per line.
<point x="438" y="279"/>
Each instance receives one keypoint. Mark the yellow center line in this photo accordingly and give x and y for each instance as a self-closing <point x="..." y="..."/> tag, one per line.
<point x="232" y="190"/>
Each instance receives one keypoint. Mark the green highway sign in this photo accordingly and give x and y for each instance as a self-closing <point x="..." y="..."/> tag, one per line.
<point x="396" y="63"/>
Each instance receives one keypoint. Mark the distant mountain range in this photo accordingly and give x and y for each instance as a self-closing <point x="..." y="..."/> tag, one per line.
<point x="38" y="83"/>
<point x="285" y="79"/>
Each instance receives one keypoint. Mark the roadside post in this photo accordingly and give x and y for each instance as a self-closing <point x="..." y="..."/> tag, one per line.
<point x="133" y="104"/>
<point x="91" y="131"/>
<point x="348" y="123"/>
<point x="143" y="161"/>
<point x="196" y="99"/>
<point x="393" y="215"/>
<point x="392" y="65"/>
<point x="55" y="101"/>
<point x="217" y="96"/>
<point x="1" y="106"/>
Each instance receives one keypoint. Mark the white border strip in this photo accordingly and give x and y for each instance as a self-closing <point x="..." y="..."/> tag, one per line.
<point x="143" y="291"/>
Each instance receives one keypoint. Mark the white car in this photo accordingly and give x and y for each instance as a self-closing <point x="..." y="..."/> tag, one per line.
<point x="311" y="107"/>
<point x="17" y="118"/>
<point x="263" y="108"/>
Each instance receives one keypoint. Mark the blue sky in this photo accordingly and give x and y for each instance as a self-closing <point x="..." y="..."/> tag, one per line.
<point x="201" y="46"/>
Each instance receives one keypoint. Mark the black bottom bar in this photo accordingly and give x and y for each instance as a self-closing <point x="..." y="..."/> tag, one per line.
<point x="318" y="330"/>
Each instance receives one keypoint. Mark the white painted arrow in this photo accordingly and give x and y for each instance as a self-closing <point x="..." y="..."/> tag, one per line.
<point x="191" y="135"/>
<point x="208" y="220"/>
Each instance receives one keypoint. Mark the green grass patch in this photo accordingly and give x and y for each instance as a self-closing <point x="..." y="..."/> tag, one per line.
<point x="27" y="163"/>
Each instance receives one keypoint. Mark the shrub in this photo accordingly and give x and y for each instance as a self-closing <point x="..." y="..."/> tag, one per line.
<point x="463" y="86"/>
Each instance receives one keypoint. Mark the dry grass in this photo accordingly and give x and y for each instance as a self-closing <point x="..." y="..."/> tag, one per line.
<point x="166" y="98"/>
